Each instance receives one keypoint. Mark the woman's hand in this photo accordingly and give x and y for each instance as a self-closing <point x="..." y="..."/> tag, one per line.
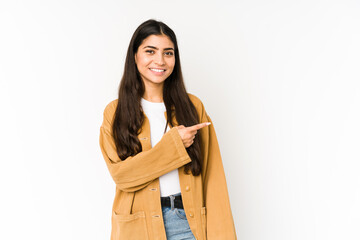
<point x="187" y="134"/>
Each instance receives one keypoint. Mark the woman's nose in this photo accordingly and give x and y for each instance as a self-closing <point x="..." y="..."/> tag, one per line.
<point x="159" y="59"/>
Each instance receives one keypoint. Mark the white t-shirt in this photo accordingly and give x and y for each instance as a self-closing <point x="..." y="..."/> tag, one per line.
<point x="169" y="182"/>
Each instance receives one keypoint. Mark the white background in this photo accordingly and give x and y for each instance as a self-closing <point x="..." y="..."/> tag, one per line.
<point x="280" y="80"/>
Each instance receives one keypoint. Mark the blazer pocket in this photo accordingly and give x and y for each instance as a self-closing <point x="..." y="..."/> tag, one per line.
<point x="203" y="222"/>
<point x="129" y="226"/>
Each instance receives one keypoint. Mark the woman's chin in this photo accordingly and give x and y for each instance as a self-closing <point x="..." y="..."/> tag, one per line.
<point x="156" y="80"/>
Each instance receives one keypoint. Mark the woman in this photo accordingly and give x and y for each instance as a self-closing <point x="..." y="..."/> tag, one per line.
<point x="161" y="149"/>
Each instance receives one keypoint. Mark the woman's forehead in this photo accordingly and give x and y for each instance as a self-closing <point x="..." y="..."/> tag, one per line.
<point x="158" y="41"/>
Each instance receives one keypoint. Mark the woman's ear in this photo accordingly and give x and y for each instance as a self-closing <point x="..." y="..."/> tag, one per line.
<point x="135" y="58"/>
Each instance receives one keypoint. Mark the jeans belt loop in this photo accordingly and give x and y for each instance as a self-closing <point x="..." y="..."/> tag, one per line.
<point x="172" y="201"/>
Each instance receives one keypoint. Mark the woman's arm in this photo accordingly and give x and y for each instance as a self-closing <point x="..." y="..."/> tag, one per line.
<point x="136" y="172"/>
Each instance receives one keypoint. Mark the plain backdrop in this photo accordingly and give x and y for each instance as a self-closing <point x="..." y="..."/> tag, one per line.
<point x="280" y="80"/>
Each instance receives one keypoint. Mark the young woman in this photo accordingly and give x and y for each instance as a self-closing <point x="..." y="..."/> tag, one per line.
<point x="161" y="149"/>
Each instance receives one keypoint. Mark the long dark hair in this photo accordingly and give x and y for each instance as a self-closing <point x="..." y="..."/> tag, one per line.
<point x="129" y="115"/>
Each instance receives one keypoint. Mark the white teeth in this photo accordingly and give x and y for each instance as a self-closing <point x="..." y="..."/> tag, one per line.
<point x="157" y="70"/>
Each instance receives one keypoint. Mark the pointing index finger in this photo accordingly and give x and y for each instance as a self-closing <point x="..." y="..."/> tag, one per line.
<point x="199" y="126"/>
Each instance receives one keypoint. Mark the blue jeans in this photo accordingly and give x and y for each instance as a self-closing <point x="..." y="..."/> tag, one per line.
<point x="175" y="222"/>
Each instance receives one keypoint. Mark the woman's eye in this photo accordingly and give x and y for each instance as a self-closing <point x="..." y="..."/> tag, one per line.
<point x="149" y="51"/>
<point x="169" y="53"/>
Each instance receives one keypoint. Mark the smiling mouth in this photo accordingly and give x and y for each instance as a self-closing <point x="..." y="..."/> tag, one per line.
<point x="157" y="70"/>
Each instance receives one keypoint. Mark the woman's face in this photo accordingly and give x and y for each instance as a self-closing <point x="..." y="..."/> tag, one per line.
<point x="155" y="59"/>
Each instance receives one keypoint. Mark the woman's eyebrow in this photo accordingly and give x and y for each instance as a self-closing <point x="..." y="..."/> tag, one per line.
<point x="158" y="49"/>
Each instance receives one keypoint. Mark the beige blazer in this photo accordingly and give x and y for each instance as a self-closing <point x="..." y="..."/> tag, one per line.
<point x="136" y="211"/>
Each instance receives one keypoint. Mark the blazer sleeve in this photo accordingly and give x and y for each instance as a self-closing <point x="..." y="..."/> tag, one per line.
<point x="136" y="172"/>
<point x="220" y="223"/>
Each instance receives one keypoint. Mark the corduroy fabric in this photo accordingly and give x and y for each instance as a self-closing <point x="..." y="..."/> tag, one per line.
<point x="137" y="212"/>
